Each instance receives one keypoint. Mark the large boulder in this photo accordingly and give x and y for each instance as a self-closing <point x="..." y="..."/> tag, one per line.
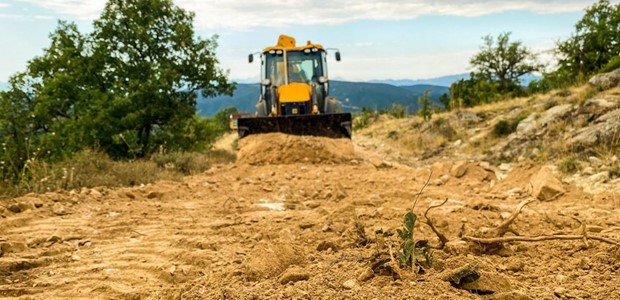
<point x="606" y="80"/>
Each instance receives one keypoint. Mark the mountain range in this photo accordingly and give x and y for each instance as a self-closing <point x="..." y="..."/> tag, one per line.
<point x="353" y="96"/>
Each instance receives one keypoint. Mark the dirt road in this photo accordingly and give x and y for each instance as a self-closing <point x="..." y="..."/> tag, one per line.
<point x="289" y="222"/>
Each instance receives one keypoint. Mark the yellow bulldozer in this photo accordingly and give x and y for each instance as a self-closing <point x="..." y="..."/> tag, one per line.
<point x="294" y="93"/>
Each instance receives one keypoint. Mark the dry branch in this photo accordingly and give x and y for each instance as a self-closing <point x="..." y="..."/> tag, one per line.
<point x="508" y="239"/>
<point x="417" y="196"/>
<point x="442" y="238"/>
<point x="505" y="226"/>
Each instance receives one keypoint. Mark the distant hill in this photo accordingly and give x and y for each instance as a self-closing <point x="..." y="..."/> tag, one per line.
<point x="445" y="81"/>
<point x="352" y="95"/>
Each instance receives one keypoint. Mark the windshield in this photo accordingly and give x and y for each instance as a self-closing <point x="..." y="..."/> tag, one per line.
<point x="302" y="67"/>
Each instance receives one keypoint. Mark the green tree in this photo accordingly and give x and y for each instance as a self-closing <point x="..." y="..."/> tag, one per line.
<point x="127" y="88"/>
<point x="425" y="110"/>
<point x="445" y="100"/>
<point x="503" y="61"/>
<point x="595" y="43"/>
<point x="154" y="66"/>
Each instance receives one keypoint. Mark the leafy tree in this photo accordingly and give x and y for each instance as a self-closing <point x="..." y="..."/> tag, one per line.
<point x="222" y="118"/>
<point x="503" y="61"/>
<point x="595" y="43"/>
<point x="472" y="92"/>
<point x="127" y="88"/>
<point x="426" y="110"/>
<point x="445" y="100"/>
<point x="154" y="66"/>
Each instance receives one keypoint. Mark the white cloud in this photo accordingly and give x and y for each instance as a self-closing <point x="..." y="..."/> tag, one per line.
<point x="244" y="14"/>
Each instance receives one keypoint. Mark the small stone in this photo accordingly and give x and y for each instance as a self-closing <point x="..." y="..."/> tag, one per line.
<point x="75" y="257"/>
<point x="505" y="167"/>
<point x="294" y="274"/>
<point x="326" y="245"/>
<point x="14" y="208"/>
<point x="444" y="178"/>
<point x="545" y="186"/>
<point x="366" y="274"/>
<point x="595" y="161"/>
<point x="306" y="225"/>
<point x="459" y="169"/>
<point x="600" y="177"/>
<point x="588" y="171"/>
<point x="350" y="284"/>
<point x="559" y="292"/>
<point x="153" y="195"/>
<point x="457" y="247"/>
<point x="130" y="195"/>
<point x="95" y="193"/>
<point x="58" y="209"/>
<point x="312" y="204"/>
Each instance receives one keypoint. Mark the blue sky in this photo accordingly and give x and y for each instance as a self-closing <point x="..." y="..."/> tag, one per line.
<point x="378" y="39"/>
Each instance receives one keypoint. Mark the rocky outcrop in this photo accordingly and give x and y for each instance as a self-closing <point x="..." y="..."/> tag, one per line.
<point x="606" y="80"/>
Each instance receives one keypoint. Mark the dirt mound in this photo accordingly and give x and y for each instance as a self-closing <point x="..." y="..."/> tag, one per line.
<point x="278" y="148"/>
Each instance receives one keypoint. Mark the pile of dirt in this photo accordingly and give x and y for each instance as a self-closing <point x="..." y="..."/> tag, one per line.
<point x="278" y="148"/>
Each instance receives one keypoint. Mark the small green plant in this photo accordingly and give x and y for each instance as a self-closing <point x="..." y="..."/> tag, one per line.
<point x="506" y="127"/>
<point x="464" y="275"/>
<point x="406" y="255"/>
<point x="569" y="165"/>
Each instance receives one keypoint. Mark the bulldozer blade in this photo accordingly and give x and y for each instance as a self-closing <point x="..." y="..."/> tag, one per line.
<point x="326" y="125"/>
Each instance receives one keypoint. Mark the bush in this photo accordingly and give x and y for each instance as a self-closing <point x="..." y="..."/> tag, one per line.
<point x="506" y="127"/>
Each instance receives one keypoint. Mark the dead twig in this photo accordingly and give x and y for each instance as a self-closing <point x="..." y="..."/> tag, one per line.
<point x="584" y="231"/>
<point x="442" y="238"/>
<point x="539" y="238"/>
<point x="417" y="196"/>
<point x="505" y="226"/>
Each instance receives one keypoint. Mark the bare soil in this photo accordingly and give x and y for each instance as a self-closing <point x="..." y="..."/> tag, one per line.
<point x="288" y="220"/>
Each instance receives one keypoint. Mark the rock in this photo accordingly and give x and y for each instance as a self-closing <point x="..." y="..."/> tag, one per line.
<point x="153" y="195"/>
<point x="58" y="209"/>
<point x="306" y="225"/>
<point x="554" y="113"/>
<point x="505" y="167"/>
<point x="366" y="274"/>
<point x="326" y="245"/>
<point x="600" y="177"/>
<point x="606" y="80"/>
<point x="95" y="193"/>
<point x="488" y="283"/>
<point x="527" y="125"/>
<point x="545" y="186"/>
<point x="444" y="178"/>
<point x="514" y="192"/>
<point x="312" y="204"/>
<point x="457" y="247"/>
<point x="294" y="274"/>
<point x="595" y="161"/>
<point x="350" y="284"/>
<point x="459" y="169"/>
<point x="380" y="163"/>
<point x="14" y="208"/>
<point x="588" y="171"/>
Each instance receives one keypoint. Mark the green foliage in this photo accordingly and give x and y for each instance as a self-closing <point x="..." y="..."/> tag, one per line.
<point x="406" y="254"/>
<point x="464" y="275"/>
<point x="594" y="44"/>
<point x="474" y="91"/>
<point x="504" y="62"/>
<point x="569" y="165"/>
<point x="425" y="106"/>
<point x="445" y="100"/>
<point x="364" y="118"/>
<point x="506" y="127"/>
<point x="397" y="111"/>
<point x="129" y="88"/>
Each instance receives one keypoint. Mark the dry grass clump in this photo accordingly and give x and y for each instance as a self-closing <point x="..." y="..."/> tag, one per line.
<point x="92" y="168"/>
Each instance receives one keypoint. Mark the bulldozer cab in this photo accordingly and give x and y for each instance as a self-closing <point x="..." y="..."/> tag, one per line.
<point x="294" y="90"/>
<point x="298" y="66"/>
